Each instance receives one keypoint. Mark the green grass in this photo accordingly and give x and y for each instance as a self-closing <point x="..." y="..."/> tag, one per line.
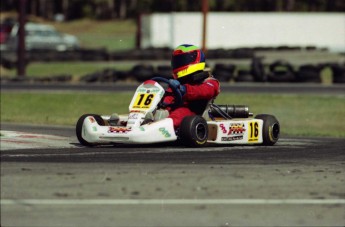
<point x="76" y="69"/>
<point x="59" y="109"/>
<point x="302" y="115"/>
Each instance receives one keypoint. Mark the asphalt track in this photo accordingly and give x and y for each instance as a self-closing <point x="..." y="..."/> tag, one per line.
<point x="297" y="182"/>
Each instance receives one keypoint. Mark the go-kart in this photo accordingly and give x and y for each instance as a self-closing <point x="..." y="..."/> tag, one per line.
<point x="145" y="123"/>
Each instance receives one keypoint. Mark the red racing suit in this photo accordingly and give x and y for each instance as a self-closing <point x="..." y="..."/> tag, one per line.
<point x="194" y="101"/>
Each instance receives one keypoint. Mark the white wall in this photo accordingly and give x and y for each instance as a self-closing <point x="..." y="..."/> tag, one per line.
<point x="234" y="30"/>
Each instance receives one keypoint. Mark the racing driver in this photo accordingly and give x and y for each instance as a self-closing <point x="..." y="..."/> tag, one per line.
<point x="196" y="85"/>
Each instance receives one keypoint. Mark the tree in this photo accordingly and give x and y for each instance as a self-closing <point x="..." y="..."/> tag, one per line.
<point x="124" y="9"/>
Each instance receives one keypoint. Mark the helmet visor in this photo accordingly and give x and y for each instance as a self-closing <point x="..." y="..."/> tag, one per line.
<point x="181" y="60"/>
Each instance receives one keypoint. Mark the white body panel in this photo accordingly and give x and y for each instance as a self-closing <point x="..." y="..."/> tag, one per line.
<point x="157" y="132"/>
<point x="145" y="100"/>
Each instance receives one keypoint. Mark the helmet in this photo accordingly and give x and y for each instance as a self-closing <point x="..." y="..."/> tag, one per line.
<point x="186" y="60"/>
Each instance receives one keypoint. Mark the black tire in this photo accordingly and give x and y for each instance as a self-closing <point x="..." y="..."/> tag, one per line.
<point x="90" y="78"/>
<point x="243" y="53"/>
<point x="193" y="131"/>
<point x="142" y="72"/>
<point x="244" y="76"/>
<point x="164" y="71"/>
<point x="223" y="72"/>
<point x="258" y="70"/>
<point x="270" y="129"/>
<point x="222" y="76"/>
<point x="338" y="72"/>
<point x="308" y="73"/>
<point x="79" y="128"/>
<point x="281" y="71"/>
<point x="281" y="76"/>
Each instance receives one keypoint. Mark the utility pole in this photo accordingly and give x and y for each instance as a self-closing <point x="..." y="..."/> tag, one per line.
<point x="204" y="24"/>
<point x="21" y="40"/>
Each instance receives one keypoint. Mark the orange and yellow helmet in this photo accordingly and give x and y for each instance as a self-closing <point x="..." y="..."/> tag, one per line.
<point x="186" y="60"/>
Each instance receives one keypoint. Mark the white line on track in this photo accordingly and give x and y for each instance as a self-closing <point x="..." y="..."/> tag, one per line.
<point x="171" y="201"/>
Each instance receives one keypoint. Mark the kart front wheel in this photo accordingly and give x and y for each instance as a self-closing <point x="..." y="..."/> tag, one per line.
<point x="270" y="129"/>
<point x="193" y="131"/>
<point x="79" y="128"/>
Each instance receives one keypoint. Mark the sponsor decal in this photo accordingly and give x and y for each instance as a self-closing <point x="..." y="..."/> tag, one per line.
<point x="165" y="132"/>
<point x="92" y="120"/>
<point x="138" y="111"/>
<point x="222" y="127"/>
<point x="133" y="116"/>
<point x="147" y="91"/>
<point x="142" y="128"/>
<point x="94" y="128"/>
<point x="143" y="101"/>
<point x="232" y="138"/>
<point x="141" y="90"/>
<point x="156" y="90"/>
<point x="118" y="130"/>
<point x="236" y="129"/>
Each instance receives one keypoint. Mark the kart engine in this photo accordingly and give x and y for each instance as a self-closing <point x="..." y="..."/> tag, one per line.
<point x="232" y="111"/>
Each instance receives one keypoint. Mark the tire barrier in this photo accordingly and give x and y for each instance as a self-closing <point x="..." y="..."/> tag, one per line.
<point x="279" y="71"/>
<point x="106" y="75"/>
<point x="63" y="78"/>
<point x="142" y="54"/>
<point x="138" y="73"/>
<point x="239" y="53"/>
<point x="53" y="79"/>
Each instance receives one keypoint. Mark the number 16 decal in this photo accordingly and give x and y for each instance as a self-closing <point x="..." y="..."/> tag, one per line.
<point x="143" y="101"/>
<point x="254" y="131"/>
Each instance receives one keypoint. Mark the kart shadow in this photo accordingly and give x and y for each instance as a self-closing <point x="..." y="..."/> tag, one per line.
<point x="120" y="145"/>
<point x="173" y="144"/>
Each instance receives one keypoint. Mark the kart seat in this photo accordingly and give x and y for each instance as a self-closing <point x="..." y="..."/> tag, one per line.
<point x="199" y="106"/>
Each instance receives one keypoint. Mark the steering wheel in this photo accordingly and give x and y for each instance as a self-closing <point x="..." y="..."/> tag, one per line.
<point x="176" y="92"/>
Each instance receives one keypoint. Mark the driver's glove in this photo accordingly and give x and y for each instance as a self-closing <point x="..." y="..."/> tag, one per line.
<point x="179" y="86"/>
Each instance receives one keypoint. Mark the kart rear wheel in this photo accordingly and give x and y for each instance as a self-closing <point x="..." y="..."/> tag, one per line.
<point x="193" y="131"/>
<point x="79" y="128"/>
<point x="270" y="129"/>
